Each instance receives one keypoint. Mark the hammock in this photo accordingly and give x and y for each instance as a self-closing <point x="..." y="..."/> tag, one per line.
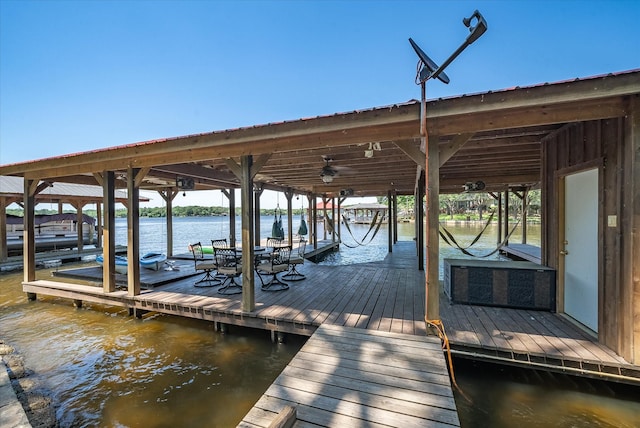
<point x="452" y="239"/>
<point x="499" y="246"/>
<point x="276" y="230"/>
<point x="302" y="230"/>
<point x="371" y="227"/>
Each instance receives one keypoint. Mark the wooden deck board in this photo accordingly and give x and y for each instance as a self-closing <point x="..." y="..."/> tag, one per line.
<point x="381" y="296"/>
<point x="345" y="376"/>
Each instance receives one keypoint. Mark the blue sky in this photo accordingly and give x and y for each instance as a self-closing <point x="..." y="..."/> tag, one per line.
<point x="82" y="75"/>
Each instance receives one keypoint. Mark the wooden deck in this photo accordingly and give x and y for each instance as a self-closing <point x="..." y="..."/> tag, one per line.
<point x="526" y="252"/>
<point x="351" y="377"/>
<point x="386" y="296"/>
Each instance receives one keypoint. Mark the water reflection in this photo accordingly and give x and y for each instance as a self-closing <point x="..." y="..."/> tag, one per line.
<point x="503" y="397"/>
<point x="105" y="368"/>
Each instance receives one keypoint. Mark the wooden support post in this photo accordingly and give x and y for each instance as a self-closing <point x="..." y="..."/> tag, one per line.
<point x="500" y="214"/>
<point x="395" y="217"/>
<point x="389" y="224"/>
<point x="432" y="186"/>
<point x="310" y="224"/>
<point x="109" y="233"/>
<point x="278" y="336"/>
<point x="333" y="220"/>
<point x="418" y="210"/>
<point x="98" y="225"/>
<point x="289" y="195"/>
<point x="133" y="232"/>
<point x="78" y="205"/>
<point x="223" y="328"/>
<point x="29" y="244"/>
<point x="4" y="252"/>
<point x="257" y="192"/>
<point x="169" y="195"/>
<point x="629" y="302"/>
<point x="314" y="221"/>
<point x="339" y="221"/>
<point x="231" y="195"/>
<point x="246" y="195"/>
<point x="286" y="418"/>
<point x="506" y="216"/>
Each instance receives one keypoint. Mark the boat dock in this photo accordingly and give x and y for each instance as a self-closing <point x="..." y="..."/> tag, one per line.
<point x="388" y="295"/>
<point x="375" y="301"/>
<point x="55" y="258"/>
<point x="531" y="253"/>
<point x="346" y="376"/>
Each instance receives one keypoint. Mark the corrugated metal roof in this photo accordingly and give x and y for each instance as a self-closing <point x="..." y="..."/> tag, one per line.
<point x="14" y="186"/>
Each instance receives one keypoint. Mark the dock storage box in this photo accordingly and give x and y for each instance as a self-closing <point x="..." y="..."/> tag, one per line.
<point x="510" y="284"/>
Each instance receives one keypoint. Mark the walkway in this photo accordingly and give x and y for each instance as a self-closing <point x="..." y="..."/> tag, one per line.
<point x="384" y="296"/>
<point x="352" y="377"/>
<point x="12" y="414"/>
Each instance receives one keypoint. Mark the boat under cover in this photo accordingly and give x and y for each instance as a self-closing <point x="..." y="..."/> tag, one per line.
<point x="152" y="260"/>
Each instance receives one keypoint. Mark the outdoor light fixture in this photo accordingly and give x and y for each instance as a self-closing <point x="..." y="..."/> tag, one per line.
<point x="473" y="187"/>
<point x="326" y="178"/>
<point x="327" y="173"/>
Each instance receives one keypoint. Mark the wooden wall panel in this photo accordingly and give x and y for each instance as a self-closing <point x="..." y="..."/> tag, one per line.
<point x="579" y="146"/>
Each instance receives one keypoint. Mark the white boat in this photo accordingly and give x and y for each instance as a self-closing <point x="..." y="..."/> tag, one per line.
<point x="153" y="261"/>
<point x="52" y="232"/>
<point x="121" y="263"/>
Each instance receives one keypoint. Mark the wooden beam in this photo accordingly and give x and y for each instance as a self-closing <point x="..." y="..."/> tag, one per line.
<point x="289" y="195"/>
<point x="544" y="114"/>
<point x="181" y="149"/>
<point x="411" y="150"/>
<point x="258" y="163"/>
<point x="571" y="93"/>
<point x="109" y="233"/>
<point x="257" y="192"/>
<point x="629" y="329"/>
<point x="248" y="277"/>
<point x="169" y="195"/>
<point x="234" y="167"/>
<point x="133" y="233"/>
<point x="29" y="240"/>
<point x="452" y="147"/>
<point x="4" y="252"/>
<point x="140" y="175"/>
<point x="99" y="178"/>
<point x="432" y="177"/>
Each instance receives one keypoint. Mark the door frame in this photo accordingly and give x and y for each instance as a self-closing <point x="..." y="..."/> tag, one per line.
<point x="560" y="179"/>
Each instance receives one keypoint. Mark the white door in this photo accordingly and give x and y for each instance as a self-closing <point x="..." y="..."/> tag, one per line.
<point x="581" y="248"/>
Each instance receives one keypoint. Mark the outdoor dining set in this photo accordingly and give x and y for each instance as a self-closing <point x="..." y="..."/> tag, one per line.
<point x="274" y="263"/>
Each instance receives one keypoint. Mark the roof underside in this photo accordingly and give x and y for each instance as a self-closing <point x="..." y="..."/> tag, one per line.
<point x="494" y="137"/>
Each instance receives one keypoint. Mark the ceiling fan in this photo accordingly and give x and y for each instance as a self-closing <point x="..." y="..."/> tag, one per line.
<point x="328" y="172"/>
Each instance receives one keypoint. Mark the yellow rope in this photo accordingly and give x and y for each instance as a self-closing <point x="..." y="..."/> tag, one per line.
<point x="439" y="327"/>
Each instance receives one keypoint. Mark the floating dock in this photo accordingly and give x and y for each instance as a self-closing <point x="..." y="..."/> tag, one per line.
<point x="351" y="377"/>
<point x="389" y="296"/>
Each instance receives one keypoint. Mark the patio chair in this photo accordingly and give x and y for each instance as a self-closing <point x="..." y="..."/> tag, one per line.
<point x="278" y="262"/>
<point x="202" y="264"/>
<point x="219" y="243"/>
<point x="272" y="244"/>
<point x="297" y="258"/>
<point x="229" y="265"/>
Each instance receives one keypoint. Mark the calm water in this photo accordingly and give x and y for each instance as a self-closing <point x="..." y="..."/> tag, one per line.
<point x="107" y="369"/>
